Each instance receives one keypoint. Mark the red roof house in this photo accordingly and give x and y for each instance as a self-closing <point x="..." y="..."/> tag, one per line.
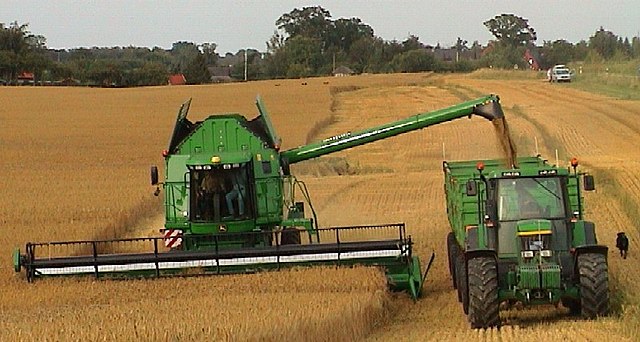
<point x="177" y="79"/>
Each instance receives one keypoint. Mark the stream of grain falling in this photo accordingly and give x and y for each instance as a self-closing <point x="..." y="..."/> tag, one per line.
<point x="506" y="142"/>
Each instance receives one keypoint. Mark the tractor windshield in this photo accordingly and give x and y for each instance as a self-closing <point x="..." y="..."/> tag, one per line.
<point x="530" y="198"/>
<point x="219" y="193"/>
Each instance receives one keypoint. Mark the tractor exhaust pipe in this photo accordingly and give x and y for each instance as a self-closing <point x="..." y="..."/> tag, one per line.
<point x="490" y="110"/>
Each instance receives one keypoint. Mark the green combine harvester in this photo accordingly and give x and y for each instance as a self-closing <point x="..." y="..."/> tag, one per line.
<point x="518" y="235"/>
<point x="230" y="204"/>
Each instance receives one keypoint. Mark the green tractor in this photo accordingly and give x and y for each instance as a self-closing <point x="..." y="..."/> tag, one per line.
<point x="230" y="207"/>
<point x="518" y="235"/>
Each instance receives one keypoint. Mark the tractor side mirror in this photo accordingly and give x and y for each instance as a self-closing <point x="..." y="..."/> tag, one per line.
<point x="154" y="175"/>
<point x="472" y="188"/>
<point x="589" y="184"/>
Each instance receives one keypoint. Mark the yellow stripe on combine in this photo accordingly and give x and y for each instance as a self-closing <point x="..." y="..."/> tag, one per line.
<point x="537" y="232"/>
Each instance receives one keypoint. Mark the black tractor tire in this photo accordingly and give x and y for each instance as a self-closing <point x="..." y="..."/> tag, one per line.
<point x="290" y="236"/>
<point x="462" y="285"/>
<point x="484" y="304"/>
<point x="573" y="305"/>
<point x="594" y="284"/>
<point x="452" y="252"/>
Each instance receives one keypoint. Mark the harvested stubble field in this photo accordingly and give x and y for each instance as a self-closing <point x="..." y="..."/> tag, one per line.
<point x="75" y="166"/>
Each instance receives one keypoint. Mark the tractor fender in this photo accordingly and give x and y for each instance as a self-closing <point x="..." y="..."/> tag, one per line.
<point x="474" y="253"/>
<point x="598" y="249"/>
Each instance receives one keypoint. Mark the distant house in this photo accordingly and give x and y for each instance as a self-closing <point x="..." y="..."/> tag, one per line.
<point x="342" y="71"/>
<point x="220" y="74"/>
<point x="26" y="78"/>
<point x="177" y="79"/>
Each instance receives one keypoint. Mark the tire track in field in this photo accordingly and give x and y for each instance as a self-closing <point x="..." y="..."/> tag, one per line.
<point x="559" y="111"/>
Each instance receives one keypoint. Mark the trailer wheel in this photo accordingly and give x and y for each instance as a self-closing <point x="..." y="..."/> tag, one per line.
<point x="461" y="278"/>
<point x="484" y="304"/>
<point x="290" y="236"/>
<point x="452" y="251"/>
<point x="594" y="284"/>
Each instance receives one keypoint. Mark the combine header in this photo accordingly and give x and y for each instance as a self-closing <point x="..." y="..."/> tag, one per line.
<point x="230" y="207"/>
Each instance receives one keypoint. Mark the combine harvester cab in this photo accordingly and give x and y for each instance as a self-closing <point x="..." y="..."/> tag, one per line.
<point x="519" y="235"/>
<point x="230" y="207"/>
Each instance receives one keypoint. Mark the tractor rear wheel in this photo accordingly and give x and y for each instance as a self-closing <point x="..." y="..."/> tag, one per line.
<point x="462" y="284"/>
<point x="290" y="236"/>
<point x="594" y="284"/>
<point x="452" y="251"/>
<point x="484" y="305"/>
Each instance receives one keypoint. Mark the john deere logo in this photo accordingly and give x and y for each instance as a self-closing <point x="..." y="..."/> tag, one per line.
<point x="222" y="228"/>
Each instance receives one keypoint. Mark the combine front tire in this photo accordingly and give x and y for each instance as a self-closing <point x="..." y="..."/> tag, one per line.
<point x="483" y="293"/>
<point x="452" y="251"/>
<point x="290" y="236"/>
<point x="594" y="284"/>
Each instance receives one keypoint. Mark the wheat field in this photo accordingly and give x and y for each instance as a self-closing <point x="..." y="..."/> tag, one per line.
<point x="75" y="166"/>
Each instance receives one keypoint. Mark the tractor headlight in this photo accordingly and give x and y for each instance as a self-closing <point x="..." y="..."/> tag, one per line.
<point x="546" y="253"/>
<point x="185" y="213"/>
<point x="527" y="254"/>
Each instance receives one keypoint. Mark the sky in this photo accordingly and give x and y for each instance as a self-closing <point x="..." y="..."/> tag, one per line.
<point x="235" y="25"/>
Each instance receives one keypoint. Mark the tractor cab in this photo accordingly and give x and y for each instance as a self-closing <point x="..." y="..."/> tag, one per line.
<point x="220" y="192"/>
<point x="520" y="202"/>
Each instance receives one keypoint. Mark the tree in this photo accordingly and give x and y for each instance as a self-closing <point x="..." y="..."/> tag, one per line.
<point x="209" y="52"/>
<point x="605" y="43"/>
<point x="344" y="32"/>
<point x="183" y="54"/>
<point x="20" y="50"/>
<point x="505" y="57"/>
<point x="302" y="52"/>
<point x="361" y="53"/>
<point x="254" y="65"/>
<point x="412" y="43"/>
<point x="557" y="52"/>
<point x="196" y="71"/>
<point x="461" y="45"/>
<point x="511" y="30"/>
<point x="148" y="74"/>
<point x="415" y="61"/>
<point x="635" y="47"/>
<point x="311" y="22"/>
<point x="105" y="73"/>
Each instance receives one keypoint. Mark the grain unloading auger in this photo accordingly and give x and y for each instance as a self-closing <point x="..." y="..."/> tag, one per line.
<point x="230" y="208"/>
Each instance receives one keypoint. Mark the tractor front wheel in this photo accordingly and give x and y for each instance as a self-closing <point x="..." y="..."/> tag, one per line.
<point x="594" y="284"/>
<point x="484" y="304"/>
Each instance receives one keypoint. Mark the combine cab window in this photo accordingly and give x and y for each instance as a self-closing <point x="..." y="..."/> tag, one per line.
<point x="220" y="193"/>
<point x="530" y="198"/>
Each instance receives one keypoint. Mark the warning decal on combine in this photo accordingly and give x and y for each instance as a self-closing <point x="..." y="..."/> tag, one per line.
<point x="172" y="238"/>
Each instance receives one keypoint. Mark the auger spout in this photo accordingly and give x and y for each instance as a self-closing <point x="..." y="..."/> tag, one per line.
<point x="491" y="110"/>
<point x="487" y="107"/>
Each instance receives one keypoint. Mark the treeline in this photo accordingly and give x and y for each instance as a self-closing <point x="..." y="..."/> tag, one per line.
<point x="307" y="42"/>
